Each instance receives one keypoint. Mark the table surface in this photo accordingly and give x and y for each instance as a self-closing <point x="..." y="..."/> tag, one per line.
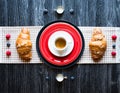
<point x="27" y="78"/>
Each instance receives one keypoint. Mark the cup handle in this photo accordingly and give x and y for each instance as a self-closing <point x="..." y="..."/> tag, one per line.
<point x="65" y="77"/>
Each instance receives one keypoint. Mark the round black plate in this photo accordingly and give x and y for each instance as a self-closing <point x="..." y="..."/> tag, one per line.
<point x="44" y="60"/>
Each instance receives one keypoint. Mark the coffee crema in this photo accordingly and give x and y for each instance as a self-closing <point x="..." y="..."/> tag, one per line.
<point x="60" y="43"/>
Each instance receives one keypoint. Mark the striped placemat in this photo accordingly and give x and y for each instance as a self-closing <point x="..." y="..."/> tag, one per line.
<point x="85" y="59"/>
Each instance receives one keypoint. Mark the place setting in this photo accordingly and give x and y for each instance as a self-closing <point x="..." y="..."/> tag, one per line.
<point x="60" y="44"/>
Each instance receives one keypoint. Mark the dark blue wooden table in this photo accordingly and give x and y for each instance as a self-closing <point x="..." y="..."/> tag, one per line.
<point x="32" y="78"/>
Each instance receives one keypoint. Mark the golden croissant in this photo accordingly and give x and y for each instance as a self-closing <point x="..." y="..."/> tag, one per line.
<point x="24" y="44"/>
<point x="98" y="44"/>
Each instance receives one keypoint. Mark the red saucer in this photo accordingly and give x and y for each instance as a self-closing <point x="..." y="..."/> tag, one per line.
<point x="43" y="44"/>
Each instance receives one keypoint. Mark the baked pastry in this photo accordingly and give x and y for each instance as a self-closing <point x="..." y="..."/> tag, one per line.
<point x="98" y="44"/>
<point x="24" y="44"/>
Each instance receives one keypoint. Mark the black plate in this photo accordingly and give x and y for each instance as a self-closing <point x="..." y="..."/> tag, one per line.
<point x="45" y="61"/>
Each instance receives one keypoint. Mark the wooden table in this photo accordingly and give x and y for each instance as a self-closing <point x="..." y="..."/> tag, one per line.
<point x="32" y="78"/>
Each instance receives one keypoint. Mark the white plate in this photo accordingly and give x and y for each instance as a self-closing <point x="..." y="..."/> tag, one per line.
<point x="70" y="43"/>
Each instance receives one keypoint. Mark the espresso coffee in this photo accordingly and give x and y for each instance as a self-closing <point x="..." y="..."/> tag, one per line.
<point x="60" y="43"/>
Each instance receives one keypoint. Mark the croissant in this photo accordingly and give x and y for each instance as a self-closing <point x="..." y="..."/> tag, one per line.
<point x="24" y="44"/>
<point x="98" y="44"/>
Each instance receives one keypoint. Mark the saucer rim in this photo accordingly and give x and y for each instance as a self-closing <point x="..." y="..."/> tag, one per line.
<point x="53" y="51"/>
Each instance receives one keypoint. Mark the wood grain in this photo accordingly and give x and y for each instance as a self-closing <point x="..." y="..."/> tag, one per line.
<point x="31" y="78"/>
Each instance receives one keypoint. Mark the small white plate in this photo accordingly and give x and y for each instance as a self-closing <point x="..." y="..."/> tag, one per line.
<point x="70" y="43"/>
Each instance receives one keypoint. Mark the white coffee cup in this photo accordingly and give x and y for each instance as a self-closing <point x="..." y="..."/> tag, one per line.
<point x="60" y="10"/>
<point x="60" y="43"/>
<point x="60" y="77"/>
